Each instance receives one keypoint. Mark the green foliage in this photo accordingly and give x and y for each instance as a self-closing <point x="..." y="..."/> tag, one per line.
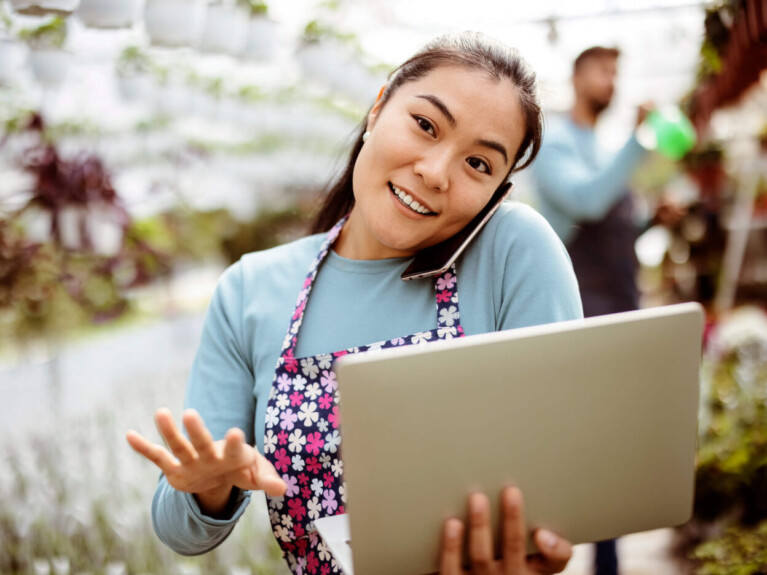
<point x="316" y="30"/>
<point x="133" y="60"/>
<point x="50" y="35"/>
<point x="268" y="229"/>
<point x="710" y="63"/>
<point x="740" y="551"/>
<point x="732" y="453"/>
<point x="78" y="495"/>
<point x="184" y="234"/>
<point x="255" y="7"/>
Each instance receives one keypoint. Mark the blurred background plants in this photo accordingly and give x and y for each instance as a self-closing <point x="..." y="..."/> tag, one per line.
<point x="728" y="531"/>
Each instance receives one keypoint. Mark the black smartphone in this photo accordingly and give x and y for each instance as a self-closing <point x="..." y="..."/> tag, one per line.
<point x="436" y="259"/>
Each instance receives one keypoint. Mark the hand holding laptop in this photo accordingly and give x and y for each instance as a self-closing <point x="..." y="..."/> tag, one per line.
<point x="553" y="558"/>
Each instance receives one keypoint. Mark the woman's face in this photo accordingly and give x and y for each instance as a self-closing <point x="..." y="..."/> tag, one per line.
<point x="437" y="151"/>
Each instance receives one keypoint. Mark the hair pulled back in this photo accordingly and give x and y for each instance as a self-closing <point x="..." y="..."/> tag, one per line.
<point x="472" y="50"/>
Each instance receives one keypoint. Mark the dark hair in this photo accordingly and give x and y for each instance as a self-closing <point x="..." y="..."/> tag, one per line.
<point x="592" y="53"/>
<point x="472" y="50"/>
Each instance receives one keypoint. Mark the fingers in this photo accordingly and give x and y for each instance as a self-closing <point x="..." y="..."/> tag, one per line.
<point x="514" y="534"/>
<point x="199" y="435"/>
<point x="173" y="437"/>
<point x="267" y="477"/>
<point x="452" y="542"/>
<point x="555" y="552"/>
<point x="153" y="452"/>
<point x="480" y="534"/>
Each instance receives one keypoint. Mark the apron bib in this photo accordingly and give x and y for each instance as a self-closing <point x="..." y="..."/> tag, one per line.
<point x="302" y="434"/>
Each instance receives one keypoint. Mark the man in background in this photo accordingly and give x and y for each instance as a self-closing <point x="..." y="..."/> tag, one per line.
<point x="583" y="192"/>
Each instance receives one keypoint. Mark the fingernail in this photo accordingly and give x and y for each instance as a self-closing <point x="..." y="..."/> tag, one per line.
<point x="548" y="539"/>
<point x="451" y="529"/>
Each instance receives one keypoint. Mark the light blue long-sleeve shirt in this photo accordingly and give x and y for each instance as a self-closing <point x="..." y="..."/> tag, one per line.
<point x="578" y="180"/>
<point x="516" y="273"/>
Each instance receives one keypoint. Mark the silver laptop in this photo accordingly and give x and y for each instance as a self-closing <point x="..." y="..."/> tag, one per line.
<point x="594" y="420"/>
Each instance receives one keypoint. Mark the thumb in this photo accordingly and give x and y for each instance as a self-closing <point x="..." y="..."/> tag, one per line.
<point x="267" y="478"/>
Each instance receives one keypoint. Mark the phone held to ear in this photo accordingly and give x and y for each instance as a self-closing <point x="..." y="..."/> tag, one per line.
<point x="436" y="259"/>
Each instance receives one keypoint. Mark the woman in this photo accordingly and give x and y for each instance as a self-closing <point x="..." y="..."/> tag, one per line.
<point x="446" y="131"/>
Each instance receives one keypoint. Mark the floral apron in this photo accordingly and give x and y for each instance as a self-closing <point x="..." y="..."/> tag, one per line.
<point x="302" y="437"/>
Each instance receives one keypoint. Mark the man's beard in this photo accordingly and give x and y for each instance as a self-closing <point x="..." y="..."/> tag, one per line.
<point x="598" y="106"/>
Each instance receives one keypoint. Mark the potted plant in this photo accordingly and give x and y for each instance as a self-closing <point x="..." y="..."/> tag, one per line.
<point x="172" y="94"/>
<point x="226" y="26"/>
<point x="334" y="60"/>
<point x="50" y="63"/>
<point x="12" y="52"/>
<point x="44" y="7"/>
<point x="209" y="98"/>
<point x="731" y="476"/>
<point x="133" y="68"/>
<point x="109" y="13"/>
<point x="174" y="22"/>
<point x="261" y="31"/>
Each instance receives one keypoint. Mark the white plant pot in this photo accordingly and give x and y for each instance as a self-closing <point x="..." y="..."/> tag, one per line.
<point x="134" y="87"/>
<point x="230" y="111"/>
<point x="206" y="105"/>
<point x="261" y="39"/>
<point x="325" y="62"/>
<point x="173" y="99"/>
<point x="44" y="7"/>
<point x="105" y="231"/>
<point x="109" y="13"/>
<point x="70" y="219"/>
<point x="12" y="57"/>
<point x="50" y="67"/>
<point x="225" y="29"/>
<point x="174" y="22"/>
<point x="37" y="225"/>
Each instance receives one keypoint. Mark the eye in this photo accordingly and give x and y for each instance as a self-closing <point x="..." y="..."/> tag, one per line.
<point x="425" y="125"/>
<point x="479" y="165"/>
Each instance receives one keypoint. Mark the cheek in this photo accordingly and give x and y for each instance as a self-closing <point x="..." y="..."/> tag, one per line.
<point x="464" y="212"/>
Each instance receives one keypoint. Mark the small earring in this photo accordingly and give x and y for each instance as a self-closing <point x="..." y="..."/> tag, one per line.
<point x="365" y="136"/>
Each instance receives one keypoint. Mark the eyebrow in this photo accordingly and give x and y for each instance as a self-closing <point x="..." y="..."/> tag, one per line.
<point x="495" y="146"/>
<point x="440" y="105"/>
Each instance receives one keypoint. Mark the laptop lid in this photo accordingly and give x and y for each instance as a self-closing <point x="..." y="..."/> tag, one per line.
<point x="594" y="420"/>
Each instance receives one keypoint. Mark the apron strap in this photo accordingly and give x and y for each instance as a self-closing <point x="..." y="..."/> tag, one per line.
<point x="446" y="286"/>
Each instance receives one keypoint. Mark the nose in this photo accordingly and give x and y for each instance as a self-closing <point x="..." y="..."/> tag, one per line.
<point x="434" y="169"/>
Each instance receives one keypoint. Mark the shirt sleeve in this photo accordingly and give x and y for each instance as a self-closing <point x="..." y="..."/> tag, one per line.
<point x="584" y="194"/>
<point x="537" y="284"/>
<point x="220" y="388"/>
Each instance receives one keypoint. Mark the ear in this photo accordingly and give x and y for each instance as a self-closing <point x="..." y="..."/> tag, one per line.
<point x="373" y="114"/>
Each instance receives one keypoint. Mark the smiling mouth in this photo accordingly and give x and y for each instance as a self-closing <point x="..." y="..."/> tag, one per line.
<point x="406" y="200"/>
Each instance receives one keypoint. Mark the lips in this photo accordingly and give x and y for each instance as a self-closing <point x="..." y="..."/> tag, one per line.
<point x="407" y="200"/>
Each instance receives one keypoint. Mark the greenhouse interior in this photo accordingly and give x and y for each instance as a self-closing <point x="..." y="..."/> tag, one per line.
<point x="147" y="145"/>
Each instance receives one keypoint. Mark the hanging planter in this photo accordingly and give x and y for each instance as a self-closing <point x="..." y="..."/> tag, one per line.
<point x="13" y="54"/>
<point x="44" y="7"/>
<point x="225" y="29"/>
<point x="174" y="22"/>
<point x="109" y="13"/>
<point x="50" y="67"/>
<point x="133" y="69"/>
<point x="49" y="62"/>
<point x="333" y="64"/>
<point x="261" y="35"/>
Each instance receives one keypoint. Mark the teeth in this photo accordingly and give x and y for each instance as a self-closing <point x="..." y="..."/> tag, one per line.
<point x="408" y="200"/>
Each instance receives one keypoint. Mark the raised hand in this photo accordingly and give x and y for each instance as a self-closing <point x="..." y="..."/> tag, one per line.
<point x="209" y="469"/>
<point x="554" y="554"/>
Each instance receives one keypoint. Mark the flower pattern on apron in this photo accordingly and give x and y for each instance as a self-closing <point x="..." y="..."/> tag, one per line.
<point x="302" y="433"/>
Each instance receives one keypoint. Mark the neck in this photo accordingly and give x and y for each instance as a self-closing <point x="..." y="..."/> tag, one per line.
<point x="355" y="242"/>
<point x="583" y="114"/>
